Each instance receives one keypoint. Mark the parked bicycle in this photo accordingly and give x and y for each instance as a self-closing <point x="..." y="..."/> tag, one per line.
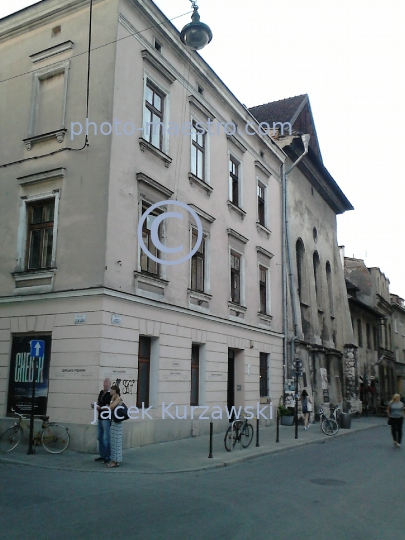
<point x="242" y="431"/>
<point x="53" y="437"/>
<point x="330" y="425"/>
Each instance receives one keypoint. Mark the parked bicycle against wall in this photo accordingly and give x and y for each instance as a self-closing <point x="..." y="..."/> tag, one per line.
<point x="242" y="431"/>
<point x="329" y="425"/>
<point x="53" y="437"/>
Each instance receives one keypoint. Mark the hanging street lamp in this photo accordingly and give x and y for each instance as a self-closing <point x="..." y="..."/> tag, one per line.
<point x="196" y="35"/>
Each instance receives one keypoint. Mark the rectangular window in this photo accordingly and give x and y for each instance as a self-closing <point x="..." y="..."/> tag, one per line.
<point x="264" y="375"/>
<point x="195" y="370"/>
<point x="40" y="234"/>
<point x="147" y="264"/>
<point x="142" y="393"/>
<point x="359" y="333"/>
<point x="368" y="330"/>
<point x="198" y="136"/>
<point x="235" y="278"/>
<point x="375" y="338"/>
<point x="154" y="113"/>
<point x="234" y="180"/>
<point x="261" y="190"/>
<point x="197" y="264"/>
<point x="395" y="325"/>
<point x="263" y="289"/>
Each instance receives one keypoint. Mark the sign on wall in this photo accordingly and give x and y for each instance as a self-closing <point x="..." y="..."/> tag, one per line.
<point x="22" y="374"/>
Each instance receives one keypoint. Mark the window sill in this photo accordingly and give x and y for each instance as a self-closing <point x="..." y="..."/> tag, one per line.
<point x="143" y="143"/>
<point x="265" y="316"/>
<point x="150" y="286"/>
<point x="236" y="311"/>
<point x="34" y="139"/>
<point x="264" y="229"/>
<point x="33" y="281"/>
<point x="192" y="178"/>
<point x="198" y="300"/>
<point x="236" y="209"/>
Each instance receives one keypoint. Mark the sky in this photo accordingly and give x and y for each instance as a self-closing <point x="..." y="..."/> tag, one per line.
<point x="349" y="57"/>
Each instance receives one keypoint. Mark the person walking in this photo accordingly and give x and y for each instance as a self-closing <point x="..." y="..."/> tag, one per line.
<point x="306" y="406"/>
<point x="103" y="424"/>
<point x="395" y="411"/>
<point x="116" y="429"/>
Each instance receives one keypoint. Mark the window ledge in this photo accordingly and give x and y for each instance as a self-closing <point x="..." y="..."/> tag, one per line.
<point x="265" y="316"/>
<point x="200" y="295"/>
<point x="143" y="143"/>
<point x="192" y="178"/>
<point x="33" y="281"/>
<point x="33" y="139"/>
<point x="264" y="229"/>
<point x="148" y="278"/>
<point x="236" y="209"/>
<point x="199" y="301"/>
<point x="237" y="307"/>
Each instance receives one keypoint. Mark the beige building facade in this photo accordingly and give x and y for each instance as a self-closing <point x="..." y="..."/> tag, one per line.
<point x="206" y="332"/>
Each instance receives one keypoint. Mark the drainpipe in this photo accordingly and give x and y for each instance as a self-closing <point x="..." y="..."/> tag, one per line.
<point x="286" y="254"/>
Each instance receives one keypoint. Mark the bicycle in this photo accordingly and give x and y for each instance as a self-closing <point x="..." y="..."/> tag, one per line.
<point x="242" y="431"/>
<point x="335" y="413"/>
<point x="54" y="437"/>
<point x="329" y="425"/>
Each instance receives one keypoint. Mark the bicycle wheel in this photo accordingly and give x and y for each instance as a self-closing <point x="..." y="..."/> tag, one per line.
<point x="10" y="439"/>
<point x="246" y="435"/>
<point x="329" y="426"/>
<point x="55" y="438"/>
<point x="231" y="438"/>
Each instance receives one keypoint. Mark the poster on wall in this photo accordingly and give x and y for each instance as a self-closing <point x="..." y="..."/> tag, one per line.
<point x="325" y="384"/>
<point x="22" y="374"/>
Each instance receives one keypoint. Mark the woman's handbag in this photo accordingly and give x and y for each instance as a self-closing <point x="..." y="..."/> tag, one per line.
<point x="121" y="414"/>
<point x="309" y="406"/>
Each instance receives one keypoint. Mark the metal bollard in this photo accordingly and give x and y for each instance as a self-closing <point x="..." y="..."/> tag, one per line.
<point x="278" y="428"/>
<point x="257" y="433"/>
<point x="211" y="432"/>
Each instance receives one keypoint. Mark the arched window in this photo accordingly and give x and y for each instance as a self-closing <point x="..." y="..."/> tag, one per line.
<point x="300" y="251"/>
<point x="317" y="279"/>
<point x="330" y="290"/>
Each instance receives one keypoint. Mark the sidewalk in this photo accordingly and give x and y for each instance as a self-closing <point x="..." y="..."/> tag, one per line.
<point x="186" y="455"/>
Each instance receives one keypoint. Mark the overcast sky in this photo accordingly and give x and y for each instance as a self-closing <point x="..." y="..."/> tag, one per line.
<point x="348" y="56"/>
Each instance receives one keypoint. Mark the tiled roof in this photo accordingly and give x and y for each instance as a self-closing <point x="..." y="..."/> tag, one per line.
<point x="278" y="111"/>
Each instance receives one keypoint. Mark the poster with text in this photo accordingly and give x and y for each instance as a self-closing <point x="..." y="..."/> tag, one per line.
<point x="22" y="374"/>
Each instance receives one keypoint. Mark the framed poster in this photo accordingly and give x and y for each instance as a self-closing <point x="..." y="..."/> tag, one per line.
<point x="22" y="374"/>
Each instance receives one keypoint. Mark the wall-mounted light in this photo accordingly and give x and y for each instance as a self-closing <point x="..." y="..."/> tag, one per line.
<point x="196" y="35"/>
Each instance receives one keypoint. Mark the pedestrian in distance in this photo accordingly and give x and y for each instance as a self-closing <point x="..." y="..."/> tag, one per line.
<point x="395" y="411"/>
<point x="306" y="406"/>
<point x="116" y="428"/>
<point x="103" y="424"/>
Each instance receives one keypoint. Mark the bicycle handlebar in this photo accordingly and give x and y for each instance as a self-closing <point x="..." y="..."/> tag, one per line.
<point x="18" y="414"/>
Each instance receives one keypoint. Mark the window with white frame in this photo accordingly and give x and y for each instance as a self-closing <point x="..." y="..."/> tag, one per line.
<point x="154" y="115"/>
<point x="148" y="265"/>
<point x="37" y="232"/>
<point x="236" y="281"/>
<point x="264" y="289"/>
<point x="198" y="263"/>
<point x="234" y="180"/>
<point x="261" y="204"/>
<point x="198" y="150"/>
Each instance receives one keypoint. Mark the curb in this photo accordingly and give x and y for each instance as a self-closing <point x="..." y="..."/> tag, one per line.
<point x="238" y="459"/>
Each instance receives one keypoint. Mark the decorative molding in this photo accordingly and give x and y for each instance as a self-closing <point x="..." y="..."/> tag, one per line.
<point x="236" y="209"/>
<point x="33" y="281"/>
<point x="201" y="213"/>
<point x="59" y="134"/>
<point x="143" y="143"/>
<point x="30" y="179"/>
<point x="264" y="229"/>
<point x="237" y="142"/>
<point x="51" y="51"/>
<point x="143" y="178"/>
<point x="199" y="295"/>
<point x="262" y="167"/>
<point x="193" y="100"/>
<point x="264" y="252"/>
<point x="192" y="178"/>
<point x="265" y="316"/>
<point x="157" y="63"/>
<point x="238" y="236"/>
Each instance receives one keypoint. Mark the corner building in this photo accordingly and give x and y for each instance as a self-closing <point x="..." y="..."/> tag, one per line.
<point x="207" y="331"/>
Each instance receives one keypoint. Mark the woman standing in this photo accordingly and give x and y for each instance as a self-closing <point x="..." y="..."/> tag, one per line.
<point x="305" y="400"/>
<point x="116" y="429"/>
<point x="395" y="411"/>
